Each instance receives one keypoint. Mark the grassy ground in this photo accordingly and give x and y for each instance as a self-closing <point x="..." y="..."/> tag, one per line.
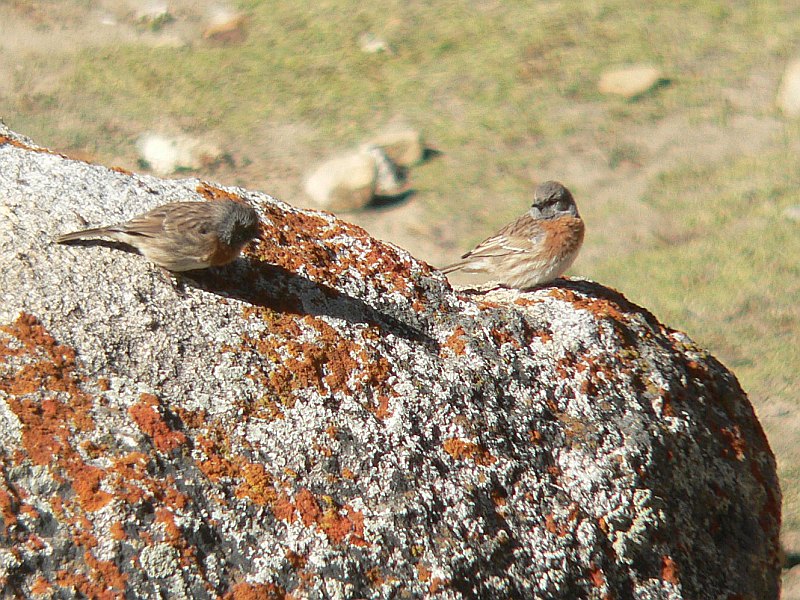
<point x="684" y="190"/>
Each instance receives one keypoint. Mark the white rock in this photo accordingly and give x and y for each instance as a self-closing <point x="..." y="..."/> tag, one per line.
<point x="152" y="11"/>
<point x="792" y="212"/>
<point x="166" y="154"/>
<point x="343" y="183"/>
<point x="226" y="26"/>
<point x="788" y="99"/>
<point x="371" y="44"/>
<point x="630" y="81"/>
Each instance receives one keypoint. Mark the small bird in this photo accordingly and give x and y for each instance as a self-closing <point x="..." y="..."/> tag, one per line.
<point x="535" y="248"/>
<point x="184" y="236"/>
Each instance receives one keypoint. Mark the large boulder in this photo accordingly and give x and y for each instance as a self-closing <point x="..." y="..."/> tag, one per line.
<point x="327" y="418"/>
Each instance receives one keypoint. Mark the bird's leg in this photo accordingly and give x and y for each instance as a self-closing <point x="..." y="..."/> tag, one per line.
<point x="176" y="280"/>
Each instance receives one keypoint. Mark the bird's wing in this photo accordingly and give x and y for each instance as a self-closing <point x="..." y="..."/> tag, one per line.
<point x="521" y="235"/>
<point x="499" y="245"/>
<point x="173" y="218"/>
<point x="150" y="224"/>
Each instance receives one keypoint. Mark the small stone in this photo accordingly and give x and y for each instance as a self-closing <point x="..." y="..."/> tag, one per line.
<point x="154" y="15"/>
<point x="151" y="11"/>
<point x="343" y="183"/>
<point x="792" y="212"/>
<point x="226" y="27"/>
<point x="165" y="154"/>
<point x="371" y="44"/>
<point x="630" y="82"/>
<point x="788" y="99"/>
<point x="401" y="143"/>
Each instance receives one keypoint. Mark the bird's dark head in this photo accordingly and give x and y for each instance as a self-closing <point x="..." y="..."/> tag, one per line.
<point x="239" y="224"/>
<point x="551" y="200"/>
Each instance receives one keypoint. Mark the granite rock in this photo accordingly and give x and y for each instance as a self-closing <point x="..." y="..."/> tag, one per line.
<point x="328" y="418"/>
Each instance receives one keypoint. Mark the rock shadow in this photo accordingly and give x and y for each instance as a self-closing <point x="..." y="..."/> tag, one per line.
<point x="271" y="286"/>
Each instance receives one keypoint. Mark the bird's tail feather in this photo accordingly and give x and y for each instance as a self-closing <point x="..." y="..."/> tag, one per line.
<point x="82" y="235"/>
<point x="453" y="267"/>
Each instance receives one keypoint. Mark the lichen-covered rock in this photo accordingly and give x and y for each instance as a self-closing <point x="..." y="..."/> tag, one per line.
<point x="326" y="418"/>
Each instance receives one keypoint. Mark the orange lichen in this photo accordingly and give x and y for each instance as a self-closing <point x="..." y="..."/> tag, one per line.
<point x="463" y="450"/>
<point x="375" y="576"/>
<point x="381" y="409"/>
<point x="41" y="586"/>
<point x="48" y="370"/>
<point x="669" y="570"/>
<point x="736" y="444"/>
<point x="50" y="366"/>
<point x="554" y="527"/>
<point x="603" y="524"/>
<point x="326" y="249"/>
<point x="596" y="576"/>
<point x="335" y="525"/>
<point x="129" y="478"/>
<point x="259" y="591"/>
<point x="502" y="336"/>
<point x="216" y="465"/>
<point x="4" y="139"/>
<point x="8" y="508"/>
<point x="257" y="485"/>
<point x="147" y="414"/>
<point x="86" y="586"/>
<point x="297" y="561"/>
<point x="609" y="305"/>
<point x="106" y="572"/>
<point x="457" y="341"/>
<point x="86" y="482"/>
<point x="600" y="307"/>
<point x="329" y="362"/>
<point x="283" y="509"/>
<point x="117" y="531"/>
<point x="210" y="192"/>
<point x="499" y="497"/>
<point x="307" y="507"/>
<point x="166" y="518"/>
<point x="338" y="524"/>
<point x="172" y="497"/>
<point x="46" y="393"/>
<point x="485" y="305"/>
<point x="438" y="584"/>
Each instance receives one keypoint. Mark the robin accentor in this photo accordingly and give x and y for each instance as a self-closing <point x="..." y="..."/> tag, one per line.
<point x="183" y="236"/>
<point x="535" y="248"/>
